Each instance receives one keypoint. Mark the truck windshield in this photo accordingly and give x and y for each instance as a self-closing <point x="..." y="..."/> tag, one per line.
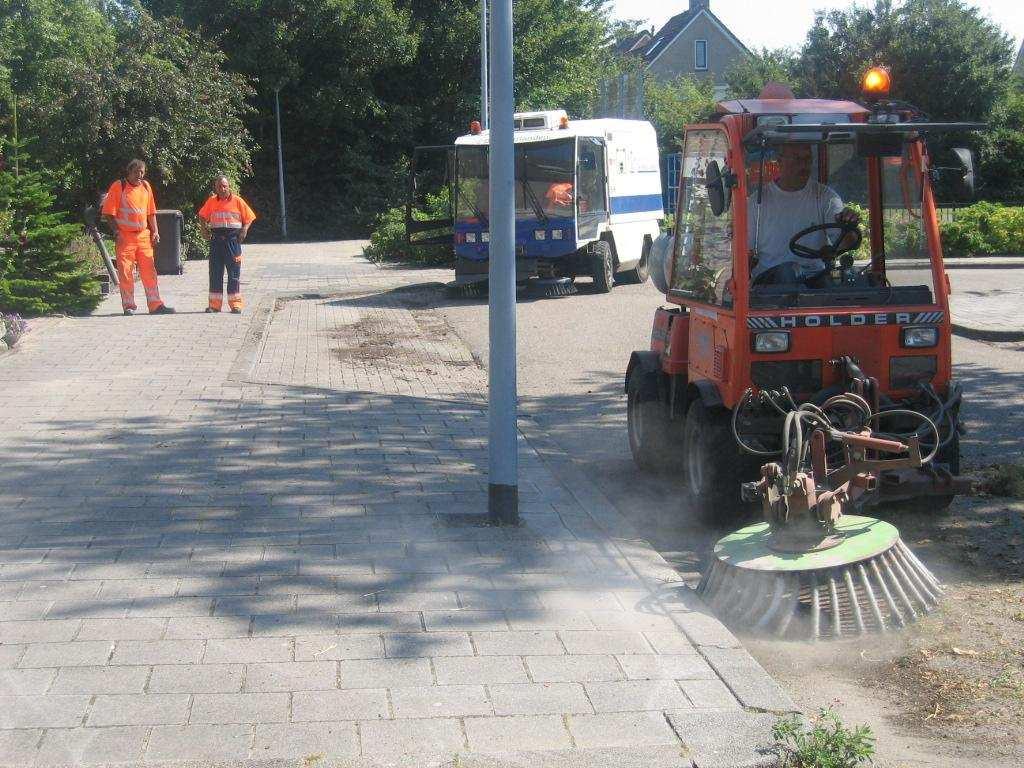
<point x="544" y="180"/>
<point x="835" y="179"/>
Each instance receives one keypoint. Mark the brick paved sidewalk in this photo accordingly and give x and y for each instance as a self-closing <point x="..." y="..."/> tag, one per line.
<point x="230" y="539"/>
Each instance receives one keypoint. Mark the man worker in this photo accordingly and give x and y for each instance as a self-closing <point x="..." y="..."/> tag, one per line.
<point x="225" y="219"/>
<point x="559" y="195"/>
<point x="790" y="204"/>
<point x="129" y="209"/>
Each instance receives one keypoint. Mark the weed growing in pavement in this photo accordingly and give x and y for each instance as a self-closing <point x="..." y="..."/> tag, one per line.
<point x="823" y="743"/>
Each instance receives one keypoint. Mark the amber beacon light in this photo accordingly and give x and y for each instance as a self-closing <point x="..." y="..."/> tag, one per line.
<point x="876" y="82"/>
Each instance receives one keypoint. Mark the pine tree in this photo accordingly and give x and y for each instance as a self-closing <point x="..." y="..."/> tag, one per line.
<point x="38" y="273"/>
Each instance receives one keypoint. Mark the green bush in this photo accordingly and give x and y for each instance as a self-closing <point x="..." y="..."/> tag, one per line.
<point x="387" y="242"/>
<point x="40" y="271"/>
<point x="984" y="228"/>
<point x="823" y="743"/>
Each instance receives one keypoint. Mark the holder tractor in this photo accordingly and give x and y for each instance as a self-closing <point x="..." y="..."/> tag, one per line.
<point x="805" y="364"/>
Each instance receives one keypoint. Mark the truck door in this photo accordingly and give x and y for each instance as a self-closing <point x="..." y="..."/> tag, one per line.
<point x="592" y="188"/>
<point x="428" y="203"/>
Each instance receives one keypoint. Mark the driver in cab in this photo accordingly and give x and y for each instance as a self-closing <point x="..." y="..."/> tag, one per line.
<point x="790" y="204"/>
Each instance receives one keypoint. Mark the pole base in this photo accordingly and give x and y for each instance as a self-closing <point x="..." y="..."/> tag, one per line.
<point x="503" y="504"/>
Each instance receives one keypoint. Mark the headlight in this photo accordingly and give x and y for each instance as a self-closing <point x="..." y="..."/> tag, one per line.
<point x="539" y="234"/>
<point x="556" y="234"/>
<point x="920" y="337"/>
<point x="485" y="237"/>
<point x="772" y="341"/>
<point x="471" y="237"/>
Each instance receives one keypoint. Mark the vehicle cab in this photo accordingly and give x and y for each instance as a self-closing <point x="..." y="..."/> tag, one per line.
<point x="588" y="199"/>
<point x="806" y="256"/>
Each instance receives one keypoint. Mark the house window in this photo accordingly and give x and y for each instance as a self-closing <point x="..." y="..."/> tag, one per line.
<point x="700" y="54"/>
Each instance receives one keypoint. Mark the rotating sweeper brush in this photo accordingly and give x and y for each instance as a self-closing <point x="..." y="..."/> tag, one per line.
<point x="813" y="568"/>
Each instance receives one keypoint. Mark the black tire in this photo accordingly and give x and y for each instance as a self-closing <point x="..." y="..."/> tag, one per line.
<point x="641" y="271"/>
<point x="714" y="466"/>
<point x="602" y="266"/>
<point x="647" y="423"/>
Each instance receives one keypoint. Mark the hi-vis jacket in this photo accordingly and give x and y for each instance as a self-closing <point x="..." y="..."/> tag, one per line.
<point x="130" y="205"/>
<point x="230" y="213"/>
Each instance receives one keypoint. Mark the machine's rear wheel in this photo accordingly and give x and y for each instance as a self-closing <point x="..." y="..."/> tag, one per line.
<point x="602" y="266"/>
<point x="647" y="422"/>
<point x="714" y="467"/>
<point x="642" y="270"/>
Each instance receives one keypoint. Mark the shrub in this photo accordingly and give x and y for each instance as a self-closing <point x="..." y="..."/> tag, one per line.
<point x="823" y="743"/>
<point x="984" y="228"/>
<point x="387" y="242"/>
<point x="39" y="272"/>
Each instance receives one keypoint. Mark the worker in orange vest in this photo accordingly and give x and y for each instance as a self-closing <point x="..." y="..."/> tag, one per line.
<point x="559" y="195"/>
<point x="225" y="219"/>
<point x="129" y="209"/>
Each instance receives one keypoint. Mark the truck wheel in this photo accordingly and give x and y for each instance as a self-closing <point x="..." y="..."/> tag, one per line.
<point x="602" y="266"/>
<point x="647" y="422"/>
<point x="642" y="270"/>
<point x="714" y="468"/>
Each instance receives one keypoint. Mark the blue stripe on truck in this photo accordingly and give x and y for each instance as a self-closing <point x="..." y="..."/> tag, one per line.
<point x="637" y="204"/>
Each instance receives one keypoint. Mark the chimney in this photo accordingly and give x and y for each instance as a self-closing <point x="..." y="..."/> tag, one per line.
<point x="699" y="5"/>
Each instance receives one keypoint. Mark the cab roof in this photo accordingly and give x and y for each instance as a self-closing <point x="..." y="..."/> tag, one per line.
<point x="790" y="107"/>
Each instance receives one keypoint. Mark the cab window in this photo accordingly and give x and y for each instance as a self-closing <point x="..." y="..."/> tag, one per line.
<point x="702" y="258"/>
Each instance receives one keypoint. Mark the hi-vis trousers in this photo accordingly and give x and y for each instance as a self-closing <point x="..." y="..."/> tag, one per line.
<point x="135" y="247"/>
<point x="225" y="254"/>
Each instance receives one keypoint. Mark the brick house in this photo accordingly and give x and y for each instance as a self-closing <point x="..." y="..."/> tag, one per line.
<point x="694" y="42"/>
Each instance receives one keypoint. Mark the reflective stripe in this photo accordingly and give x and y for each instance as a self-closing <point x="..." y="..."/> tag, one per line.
<point x="129" y="217"/>
<point x="131" y="224"/>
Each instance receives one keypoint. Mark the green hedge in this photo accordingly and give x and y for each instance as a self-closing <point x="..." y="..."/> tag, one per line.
<point x="387" y="242"/>
<point x="984" y="228"/>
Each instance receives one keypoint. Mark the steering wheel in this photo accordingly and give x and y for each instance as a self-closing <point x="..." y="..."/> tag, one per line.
<point x="826" y="253"/>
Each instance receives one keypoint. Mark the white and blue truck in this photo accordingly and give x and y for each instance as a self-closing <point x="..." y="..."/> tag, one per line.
<point x="588" y="199"/>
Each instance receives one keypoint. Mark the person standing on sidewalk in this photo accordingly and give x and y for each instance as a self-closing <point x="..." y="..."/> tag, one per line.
<point x="225" y="218"/>
<point x="129" y="209"/>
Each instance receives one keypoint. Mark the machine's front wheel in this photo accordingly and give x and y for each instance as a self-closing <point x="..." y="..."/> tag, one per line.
<point x="714" y="468"/>
<point x="647" y="422"/>
<point x="602" y="266"/>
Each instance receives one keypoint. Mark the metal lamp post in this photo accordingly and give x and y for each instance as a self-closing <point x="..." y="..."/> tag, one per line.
<point x="280" y="163"/>
<point x="503" y="489"/>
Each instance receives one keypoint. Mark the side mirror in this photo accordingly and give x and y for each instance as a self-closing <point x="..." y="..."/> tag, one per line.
<point x="966" y="159"/>
<point x="719" y="186"/>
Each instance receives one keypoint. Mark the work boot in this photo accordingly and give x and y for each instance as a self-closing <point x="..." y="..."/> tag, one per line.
<point x="236" y="311"/>
<point x="211" y="310"/>
<point x="129" y="312"/>
<point x="163" y="309"/>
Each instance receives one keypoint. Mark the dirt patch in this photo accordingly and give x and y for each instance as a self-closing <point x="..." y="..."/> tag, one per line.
<point x="949" y="689"/>
<point x="366" y="339"/>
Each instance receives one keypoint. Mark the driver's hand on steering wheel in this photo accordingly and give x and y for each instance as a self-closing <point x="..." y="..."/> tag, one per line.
<point x="848" y="216"/>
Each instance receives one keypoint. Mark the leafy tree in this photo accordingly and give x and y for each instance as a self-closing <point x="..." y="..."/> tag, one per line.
<point x="944" y="57"/>
<point x="100" y="83"/>
<point x="672" y="105"/>
<point x="38" y="274"/>
<point x="749" y="75"/>
<point x="364" y="81"/>
<point x="1001" y="155"/>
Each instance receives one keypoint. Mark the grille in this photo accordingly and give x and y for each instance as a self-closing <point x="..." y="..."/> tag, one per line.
<point x="802" y="376"/>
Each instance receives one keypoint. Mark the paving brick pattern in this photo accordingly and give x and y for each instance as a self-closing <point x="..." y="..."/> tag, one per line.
<point x="237" y="538"/>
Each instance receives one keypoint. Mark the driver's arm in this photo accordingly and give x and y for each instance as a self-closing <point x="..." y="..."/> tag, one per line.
<point x="847" y="216"/>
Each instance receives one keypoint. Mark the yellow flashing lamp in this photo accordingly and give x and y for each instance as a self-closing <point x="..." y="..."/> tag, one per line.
<point x="876" y="82"/>
<point x="563" y="123"/>
<point x="475" y="127"/>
